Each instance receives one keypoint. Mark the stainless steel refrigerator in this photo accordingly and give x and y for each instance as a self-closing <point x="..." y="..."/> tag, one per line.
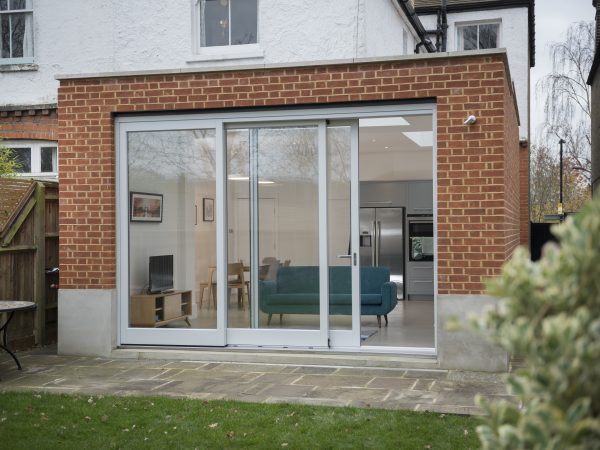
<point x="382" y="242"/>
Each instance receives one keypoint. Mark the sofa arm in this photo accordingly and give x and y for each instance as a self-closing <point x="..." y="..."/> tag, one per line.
<point x="389" y="296"/>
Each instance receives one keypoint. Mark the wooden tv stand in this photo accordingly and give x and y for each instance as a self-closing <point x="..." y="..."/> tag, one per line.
<point x="156" y="310"/>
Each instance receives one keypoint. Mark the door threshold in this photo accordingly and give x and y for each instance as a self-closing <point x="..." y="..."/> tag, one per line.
<point x="289" y="356"/>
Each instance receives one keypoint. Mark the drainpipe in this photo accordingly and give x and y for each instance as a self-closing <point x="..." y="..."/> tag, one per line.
<point x="441" y="31"/>
<point x="444" y="26"/>
<point x="414" y="20"/>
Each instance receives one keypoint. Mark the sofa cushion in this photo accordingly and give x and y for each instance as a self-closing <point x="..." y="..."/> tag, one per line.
<point x="298" y="280"/>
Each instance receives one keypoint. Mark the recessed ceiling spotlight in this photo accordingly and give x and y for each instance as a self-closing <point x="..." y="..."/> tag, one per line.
<point x="382" y="122"/>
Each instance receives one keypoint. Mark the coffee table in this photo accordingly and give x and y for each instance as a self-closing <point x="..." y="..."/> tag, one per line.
<point x="10" y="307"/>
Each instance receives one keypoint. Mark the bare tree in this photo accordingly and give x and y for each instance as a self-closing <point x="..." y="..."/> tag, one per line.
<point x="567" y="96"/>
<point x="544" y="183"/>
<point x="544" y="194"/>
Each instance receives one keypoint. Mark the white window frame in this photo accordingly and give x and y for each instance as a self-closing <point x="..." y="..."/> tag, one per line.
<point x="24" y="59"/>
<point x="477" y="23"/>
<point x="222" y="52"/>
<point x="36" y="156"/>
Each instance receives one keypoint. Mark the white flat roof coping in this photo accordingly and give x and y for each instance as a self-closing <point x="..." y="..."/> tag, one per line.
<point x="297" y="64"/>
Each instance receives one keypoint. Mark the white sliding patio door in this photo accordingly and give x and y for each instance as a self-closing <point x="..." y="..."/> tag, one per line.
<point x="170" y="236"/>
<point x="287" y="284"/>
<point x="249" y="221"/>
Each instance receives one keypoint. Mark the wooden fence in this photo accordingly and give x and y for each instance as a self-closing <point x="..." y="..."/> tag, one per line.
<point x="29" y="259"/>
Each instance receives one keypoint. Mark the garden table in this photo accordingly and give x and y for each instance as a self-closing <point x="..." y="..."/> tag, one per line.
<point x="10" y="306"/>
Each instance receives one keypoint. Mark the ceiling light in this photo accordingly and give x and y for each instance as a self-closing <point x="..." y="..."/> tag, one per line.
<point x="266" y="182"/>
<point x="238" y="178"/>
<point x="383" y="122"/>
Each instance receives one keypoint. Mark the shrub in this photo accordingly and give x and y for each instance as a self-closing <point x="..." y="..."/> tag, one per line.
<point x="8" y="163"/>
<point x="550" y="316"/>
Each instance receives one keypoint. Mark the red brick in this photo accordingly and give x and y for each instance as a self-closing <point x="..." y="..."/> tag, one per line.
<point x="481" y="171"/>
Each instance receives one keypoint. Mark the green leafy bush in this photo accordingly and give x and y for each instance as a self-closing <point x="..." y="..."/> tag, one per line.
<point x="8" y="162"/>
<point x="550" y="316"/>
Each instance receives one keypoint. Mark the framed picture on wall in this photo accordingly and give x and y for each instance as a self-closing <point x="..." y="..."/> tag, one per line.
<point x="145" y="207"/>
<point x="208" y="209"/>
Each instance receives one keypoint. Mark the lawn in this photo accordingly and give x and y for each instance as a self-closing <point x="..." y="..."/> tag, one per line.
<point x="47" y="421"/>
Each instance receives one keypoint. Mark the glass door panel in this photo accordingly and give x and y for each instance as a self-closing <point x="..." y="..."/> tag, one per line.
<point x="170" y="286"/>
<point x="396" y="179"/>
<point x="273" y="221"/>
<point x="339" y="226"/>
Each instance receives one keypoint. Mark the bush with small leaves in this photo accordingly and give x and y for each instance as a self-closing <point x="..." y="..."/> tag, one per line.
<point x="8" y="162"/>
<point x="550" y="316"/>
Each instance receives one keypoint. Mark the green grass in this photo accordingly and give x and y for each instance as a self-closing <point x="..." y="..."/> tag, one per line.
<point x="47" y="421"/>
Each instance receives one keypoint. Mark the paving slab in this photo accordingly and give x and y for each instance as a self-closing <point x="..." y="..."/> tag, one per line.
<point x="366" y="387"/>
<point x="392" y="383"/>
<point x="334" y="380"/>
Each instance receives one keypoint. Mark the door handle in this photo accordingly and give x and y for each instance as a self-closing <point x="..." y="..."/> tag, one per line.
<point x="378" y="240"/>
<point x="344" y="256"/>
<point x="374" y="245"/>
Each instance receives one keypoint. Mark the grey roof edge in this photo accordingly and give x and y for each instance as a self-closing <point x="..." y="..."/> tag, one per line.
<point x="299" y="65"/>
<point x="28" y="107"/>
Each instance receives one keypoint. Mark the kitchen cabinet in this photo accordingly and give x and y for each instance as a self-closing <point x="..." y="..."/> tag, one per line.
<point x="420" y="197"/>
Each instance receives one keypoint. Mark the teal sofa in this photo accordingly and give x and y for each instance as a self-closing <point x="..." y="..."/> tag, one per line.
<point x="295" y="290"/>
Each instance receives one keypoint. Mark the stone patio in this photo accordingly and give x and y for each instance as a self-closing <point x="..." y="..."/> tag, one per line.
<point x="391" y="388"/>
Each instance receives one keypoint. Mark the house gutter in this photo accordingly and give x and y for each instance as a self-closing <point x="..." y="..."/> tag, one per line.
<point x="414" y="20"/>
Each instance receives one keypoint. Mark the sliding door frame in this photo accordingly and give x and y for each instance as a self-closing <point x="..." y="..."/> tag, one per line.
<point x="342" y="340"/>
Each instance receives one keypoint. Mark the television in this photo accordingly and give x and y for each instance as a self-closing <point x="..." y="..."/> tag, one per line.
<point x="160" y="274"/>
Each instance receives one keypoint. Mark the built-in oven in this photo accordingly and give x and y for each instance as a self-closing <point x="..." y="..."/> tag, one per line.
<point x="420" y="238"/>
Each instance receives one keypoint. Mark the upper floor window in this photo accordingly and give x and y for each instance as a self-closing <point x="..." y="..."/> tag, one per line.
<point x="35" y="157"/>
<point x="16" y="31"/>
<point x="478" y="36"/>
<point x="228" y="22"/>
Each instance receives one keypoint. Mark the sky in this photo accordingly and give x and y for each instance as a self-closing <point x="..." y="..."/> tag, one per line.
<point x="552" y="18"/>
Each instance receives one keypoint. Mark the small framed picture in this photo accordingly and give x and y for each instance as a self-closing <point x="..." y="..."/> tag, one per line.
<point x="145" y="207"/>
<point x="208" y="209"/>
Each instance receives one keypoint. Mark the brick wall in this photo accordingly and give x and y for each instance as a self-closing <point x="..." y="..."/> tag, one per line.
<point x="473" y="210"/>
<point x="512" y="178"/>
<point x="29" y="124"/>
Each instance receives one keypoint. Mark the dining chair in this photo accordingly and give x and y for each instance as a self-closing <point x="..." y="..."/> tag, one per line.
<point x="211" y="285"/>
<point x="235" y="280"/>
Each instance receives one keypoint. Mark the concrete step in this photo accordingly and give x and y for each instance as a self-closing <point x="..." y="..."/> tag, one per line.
<point x="287" y="357"/>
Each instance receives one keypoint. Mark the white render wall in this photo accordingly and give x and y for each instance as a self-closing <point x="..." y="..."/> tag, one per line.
<point x="90" y="36"/>
<point x="514" y="36"/>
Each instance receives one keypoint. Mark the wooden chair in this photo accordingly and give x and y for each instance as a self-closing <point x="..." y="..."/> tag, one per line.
<point x="211" y="285"/>
<point x="235" y="280"/>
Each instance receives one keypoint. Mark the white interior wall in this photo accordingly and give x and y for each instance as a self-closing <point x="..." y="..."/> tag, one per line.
<point x="205" y="233"/>
<point x="150" y="238"/>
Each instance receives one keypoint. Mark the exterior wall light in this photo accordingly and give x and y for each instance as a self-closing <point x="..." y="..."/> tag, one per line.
<point x="471" y="120"/>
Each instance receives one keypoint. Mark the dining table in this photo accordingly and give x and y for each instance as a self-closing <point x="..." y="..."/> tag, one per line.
<point x="10" y="307"/>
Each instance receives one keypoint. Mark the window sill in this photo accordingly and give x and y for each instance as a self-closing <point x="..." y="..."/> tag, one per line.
<point x="18" y="67"/>
<point x="225" y="53"/>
